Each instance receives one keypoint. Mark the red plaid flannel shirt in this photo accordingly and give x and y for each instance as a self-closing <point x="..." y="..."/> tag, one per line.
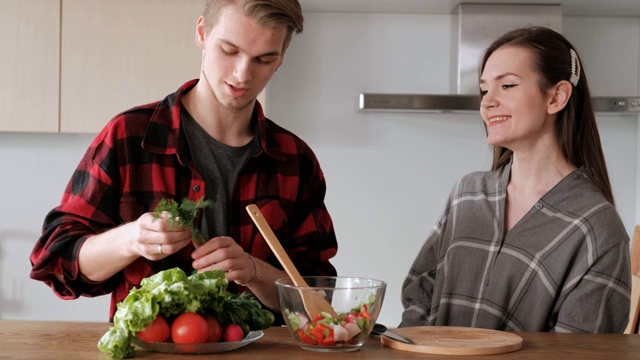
<point x="142" y="156"/>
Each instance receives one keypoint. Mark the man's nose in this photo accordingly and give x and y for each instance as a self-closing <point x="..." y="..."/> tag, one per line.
<point x="242" y="70"/>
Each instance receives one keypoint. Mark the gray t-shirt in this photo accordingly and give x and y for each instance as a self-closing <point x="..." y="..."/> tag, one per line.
<point x="219" y="165"/>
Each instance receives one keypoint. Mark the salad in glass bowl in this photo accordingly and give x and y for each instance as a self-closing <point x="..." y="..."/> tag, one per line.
<point x="356" y="302"/>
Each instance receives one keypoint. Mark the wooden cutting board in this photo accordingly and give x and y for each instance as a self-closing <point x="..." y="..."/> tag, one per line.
<point x="451" y="340"/>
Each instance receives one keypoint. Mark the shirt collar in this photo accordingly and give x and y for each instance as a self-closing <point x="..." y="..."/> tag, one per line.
<point x="163" y="135"/>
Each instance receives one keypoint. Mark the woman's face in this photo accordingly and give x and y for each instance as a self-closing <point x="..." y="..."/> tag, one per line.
<point x="513" y="106"/>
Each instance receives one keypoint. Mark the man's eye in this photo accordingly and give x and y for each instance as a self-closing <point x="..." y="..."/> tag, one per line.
<point x="265" y="60"/>
<point x="229" y="51"/>
<point x="483" y="92"/>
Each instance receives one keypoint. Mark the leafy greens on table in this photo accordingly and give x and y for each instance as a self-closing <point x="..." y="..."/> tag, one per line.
<point x="171" y="292"/>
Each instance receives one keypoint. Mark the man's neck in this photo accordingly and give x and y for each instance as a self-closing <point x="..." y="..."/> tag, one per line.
<point x="228" y="127"/>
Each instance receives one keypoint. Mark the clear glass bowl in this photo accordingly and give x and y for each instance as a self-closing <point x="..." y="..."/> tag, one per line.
<point x="356" y="301"/>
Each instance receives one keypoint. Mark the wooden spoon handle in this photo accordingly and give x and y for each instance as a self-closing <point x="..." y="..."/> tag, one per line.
<point x="275" y="245"/>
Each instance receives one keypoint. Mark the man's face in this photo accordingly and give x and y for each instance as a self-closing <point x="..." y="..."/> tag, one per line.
<point x="239" y="56"/>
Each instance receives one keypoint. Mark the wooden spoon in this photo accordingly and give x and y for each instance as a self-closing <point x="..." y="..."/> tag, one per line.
<point x="314" y="302"/>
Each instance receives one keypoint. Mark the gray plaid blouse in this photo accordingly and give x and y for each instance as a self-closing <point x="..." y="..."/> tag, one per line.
<point x="564" y="267"/>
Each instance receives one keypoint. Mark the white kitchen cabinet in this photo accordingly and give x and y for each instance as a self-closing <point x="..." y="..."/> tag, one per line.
<point x="29" y="66"/>
<point x="120" y="53"/>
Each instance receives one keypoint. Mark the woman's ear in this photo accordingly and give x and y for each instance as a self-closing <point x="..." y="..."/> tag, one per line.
<point x="559" y="96"/>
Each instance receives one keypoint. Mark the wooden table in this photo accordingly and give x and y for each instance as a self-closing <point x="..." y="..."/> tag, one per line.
<point x="77" y="340"/>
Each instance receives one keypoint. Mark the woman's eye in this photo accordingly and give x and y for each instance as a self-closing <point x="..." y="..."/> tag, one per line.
<point x="483" y="92"/>
<point x="508" y="86"/>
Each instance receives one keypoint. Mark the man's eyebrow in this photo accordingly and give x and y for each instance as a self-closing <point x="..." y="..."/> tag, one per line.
<point x="270" y="53"/>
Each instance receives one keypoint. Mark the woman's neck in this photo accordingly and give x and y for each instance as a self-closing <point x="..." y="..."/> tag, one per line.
<point x="538" y="172"/>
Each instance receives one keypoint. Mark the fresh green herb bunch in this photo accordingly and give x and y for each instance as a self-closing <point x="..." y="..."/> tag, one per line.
<point x="183" y="214"/>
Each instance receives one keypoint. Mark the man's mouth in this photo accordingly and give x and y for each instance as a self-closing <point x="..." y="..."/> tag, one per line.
<point x="236" y="91"/>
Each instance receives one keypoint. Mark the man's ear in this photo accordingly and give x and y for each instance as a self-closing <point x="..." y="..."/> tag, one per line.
<point x="200" y="33"/>
<point x="559" y="96"/>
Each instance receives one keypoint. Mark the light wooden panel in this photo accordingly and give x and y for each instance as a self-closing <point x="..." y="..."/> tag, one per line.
<point x="632" y="327"/>
<point x="635" y="251"/>
<point x="29" y="65"/>
<point x="120" y="53"/>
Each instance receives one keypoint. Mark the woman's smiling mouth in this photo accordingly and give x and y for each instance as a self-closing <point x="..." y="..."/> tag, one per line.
<point x="499" y="118"/>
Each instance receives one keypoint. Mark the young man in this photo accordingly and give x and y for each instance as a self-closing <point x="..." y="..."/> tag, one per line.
<point x="209" y="139"/>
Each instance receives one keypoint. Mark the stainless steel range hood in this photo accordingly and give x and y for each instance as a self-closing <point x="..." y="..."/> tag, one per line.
<point x="473" y="30"/>
<point x="471" y="103"/>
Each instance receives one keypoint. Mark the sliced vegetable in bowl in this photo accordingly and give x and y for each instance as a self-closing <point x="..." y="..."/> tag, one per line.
<point x="356" y="302"/>
<point x="327" y="330"/>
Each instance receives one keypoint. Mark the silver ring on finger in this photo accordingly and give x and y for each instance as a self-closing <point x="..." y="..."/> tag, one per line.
<point x="160" y="249"/>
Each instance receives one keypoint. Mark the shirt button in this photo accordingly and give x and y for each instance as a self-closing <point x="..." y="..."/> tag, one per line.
<point x="538" y="206"/>
<point x="196" y="188"/>
<point x="576" y="176"/>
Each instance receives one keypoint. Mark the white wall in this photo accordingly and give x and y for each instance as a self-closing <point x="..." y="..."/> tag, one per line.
<point x="388" y="173"/>
<point x="35" y="171"/>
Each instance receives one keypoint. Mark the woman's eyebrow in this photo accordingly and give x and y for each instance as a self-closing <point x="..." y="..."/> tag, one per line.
<point x="498" y="77"/>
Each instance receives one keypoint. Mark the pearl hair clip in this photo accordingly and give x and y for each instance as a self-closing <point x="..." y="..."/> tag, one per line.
<point x="575" y="68"/>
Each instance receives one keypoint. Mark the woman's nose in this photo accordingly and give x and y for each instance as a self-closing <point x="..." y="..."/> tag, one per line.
<point x="488" y="100"/>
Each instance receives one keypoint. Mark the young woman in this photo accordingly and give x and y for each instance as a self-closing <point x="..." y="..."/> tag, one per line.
<point x="536" y="243"/>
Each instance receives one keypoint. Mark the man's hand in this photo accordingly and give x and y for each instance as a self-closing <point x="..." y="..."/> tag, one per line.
<point x="156" y="238"/>
<point x="223" y="253"/>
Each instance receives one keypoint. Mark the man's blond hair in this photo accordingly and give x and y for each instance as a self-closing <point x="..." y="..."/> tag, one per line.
<point x="268" y="13"/>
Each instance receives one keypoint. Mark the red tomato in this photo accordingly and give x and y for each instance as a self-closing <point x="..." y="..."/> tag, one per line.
<point x="233" y="332"/>
<point x="189" y="328"/>
<point x="157" y="331"/>
<point x="215" y="329"/>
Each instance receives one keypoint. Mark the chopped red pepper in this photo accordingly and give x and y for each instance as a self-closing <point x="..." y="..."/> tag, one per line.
<point x="305" y="338"/>
<point x="329" y="341"/>
<point x="320" y="331"/>
<point x="365" y="314"/>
